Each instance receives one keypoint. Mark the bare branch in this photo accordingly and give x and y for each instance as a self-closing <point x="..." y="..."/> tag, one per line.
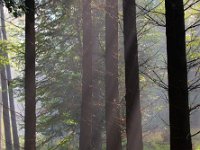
<point x="195" y="107"/>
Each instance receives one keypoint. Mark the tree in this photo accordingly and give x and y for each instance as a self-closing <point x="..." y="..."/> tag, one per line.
<point x="97" y="100"/>
<point x="30" y="87"/>
<point x="16" y="7"/>
<point x="58" y="88"/>
<point x="6" y="115"/>
<point x="180" y="137"/>
<point x="1" y="110"/>
<point x="10" y="90"/>
<point x="86" y="106"/>
<point x="113" y="131"/>
<point x="132" y="97"/>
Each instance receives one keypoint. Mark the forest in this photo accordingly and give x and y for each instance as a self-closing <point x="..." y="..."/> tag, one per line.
<point x="99" y="74"/>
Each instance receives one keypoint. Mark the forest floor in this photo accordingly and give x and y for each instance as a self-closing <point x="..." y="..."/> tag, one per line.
<point x="160" y="141"/>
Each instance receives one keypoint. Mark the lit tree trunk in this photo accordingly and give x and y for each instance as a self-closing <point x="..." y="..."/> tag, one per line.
<point x="113" y="131"/>
<point x="1" y="136"/>
<point x="180" y="138"/>
<point x="86" y="106"/>
<point x="9" y="80"/>
<point x="6" y="114"/>
<point x="133" y="114"/>
<point x="30" y="87"/>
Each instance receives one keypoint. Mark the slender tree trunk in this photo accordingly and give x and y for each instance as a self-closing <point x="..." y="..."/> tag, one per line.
<point x="6" y="114"/>
<point x="30" y="87"/>
<point x="86" y="106"/>
<point x="133" y="114"/>
<point x="1" y="110"/>
<point x="180" y="138"/>
<point x="9" y="80"/>
<point x="113" y="130"/>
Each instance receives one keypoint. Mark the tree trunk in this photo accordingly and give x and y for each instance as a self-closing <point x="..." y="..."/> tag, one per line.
<point x="1" y="110"/>
<point x="86" y="106"/>
<point x="133" y="114"/>
<point x="6" y="114"/>
<point x="180" y="138"/>
<point x="30" y="87"/>
<point x="113" y="130"/>
<point x="96" y="99"/>
<point x="9" y="80"/>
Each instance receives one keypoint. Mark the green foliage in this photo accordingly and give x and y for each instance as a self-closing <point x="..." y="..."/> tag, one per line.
<point x="16" y="7"/>
<point x="8" y="47"/>
<point x="58" y="74"/>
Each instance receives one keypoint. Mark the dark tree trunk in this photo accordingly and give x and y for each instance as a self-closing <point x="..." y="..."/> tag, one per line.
<point x="9" y="80"/>
<point x="133" y="114"/>
<point x="30" y="87"/>
<point x="113" y="130"/>
<point x="180" y="138"/>
<point x="86" y="106"/>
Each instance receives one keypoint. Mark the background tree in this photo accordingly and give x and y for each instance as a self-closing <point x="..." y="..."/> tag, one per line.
<point x="5" y="100"/>
<point x="113" y="131"/>
<point x="86" y="106"/>
<point x="6" y="115"/>
<point x="98" y="79"/>
<point x="10" y="89"/>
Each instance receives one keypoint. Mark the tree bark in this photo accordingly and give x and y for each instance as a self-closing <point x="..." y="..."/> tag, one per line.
<point x="30" y="87"/>
<point x="97" y="87"/>
<point x="6" y="114"/>
<point x="1" y="110"/>
<point x="180" y="137"/>
<point x="132" y="97"/>
<point x="86" y="106"/>
<point x="113" y="130"/>
<point x="10" y="90"/>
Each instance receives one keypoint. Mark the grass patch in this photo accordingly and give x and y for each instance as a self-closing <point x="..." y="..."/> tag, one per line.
<point x="156" y="146"/>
